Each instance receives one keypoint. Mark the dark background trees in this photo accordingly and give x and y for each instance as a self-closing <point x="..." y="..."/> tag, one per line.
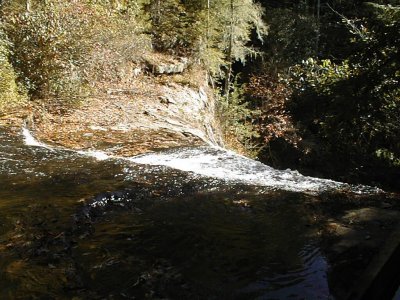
<point x="339" y="61"/>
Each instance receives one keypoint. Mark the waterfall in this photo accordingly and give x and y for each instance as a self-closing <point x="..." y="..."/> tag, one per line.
<point x="219" y="163"/>
<point x="229" y="166"/>
<point x="30" y="140"/>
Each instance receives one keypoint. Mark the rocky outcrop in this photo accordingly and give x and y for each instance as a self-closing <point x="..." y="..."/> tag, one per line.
<point x="167" y="66"/>
<point x="146" y="115"/>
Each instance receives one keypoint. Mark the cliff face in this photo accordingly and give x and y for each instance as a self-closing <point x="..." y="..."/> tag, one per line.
<point x="141" y="113"/>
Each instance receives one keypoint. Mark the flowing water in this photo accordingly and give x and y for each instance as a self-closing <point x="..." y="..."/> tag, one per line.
<point x="192" y="223"/>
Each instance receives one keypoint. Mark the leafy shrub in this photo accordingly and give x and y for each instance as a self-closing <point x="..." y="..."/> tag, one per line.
<point x="353" y="108"/>
<point x="237" y="120"/>
<point x="270" y="96"/>
<point x="59" y="48"/>
<point x="292" y="37"/>
<point x="10" y="94"/>
<point x="173" y="27"/>
<point x="46" y="50"/>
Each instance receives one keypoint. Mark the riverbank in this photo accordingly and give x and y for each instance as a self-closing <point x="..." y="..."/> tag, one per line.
<point x="147" y="114"/>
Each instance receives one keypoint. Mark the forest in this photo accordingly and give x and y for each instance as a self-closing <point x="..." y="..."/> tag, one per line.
<point x="305" y="84"/>
<point x="199" y="149"/>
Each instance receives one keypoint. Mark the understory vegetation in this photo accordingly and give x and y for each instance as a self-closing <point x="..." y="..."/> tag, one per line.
<point x="58" y="48"/>
<point x="319" y="83"/>
<point x="11" y="95"/>
<point x="329" y="91"/>
<point x="61" y="49"/>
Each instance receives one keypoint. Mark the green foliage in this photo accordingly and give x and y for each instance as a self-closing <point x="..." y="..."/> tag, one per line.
<point x="236" y="20"/>
<point x="236" y="119"/>
<point x="174" y="28"/>
<point x="388" y="156"/>
<point x="291" y="39"/>
<point x="231" y="25"/>
<point x="118" y="40"/>
<point x="215" y="32"/>
<point x="59" y="48"/>
<point x="319" y="75"/>
<point x="47" y="50"/>
<point x="354" y="106"/>
<point x="10" y="94"/>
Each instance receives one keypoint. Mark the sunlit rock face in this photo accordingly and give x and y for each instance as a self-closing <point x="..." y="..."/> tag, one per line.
<point x="174" y="66"/>
<point x="149" y="114"/>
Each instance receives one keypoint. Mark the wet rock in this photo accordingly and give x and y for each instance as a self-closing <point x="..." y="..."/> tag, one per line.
<point x="386" y="205"/>
<point x="370" y="214"/>
<point x="146" y="115"/>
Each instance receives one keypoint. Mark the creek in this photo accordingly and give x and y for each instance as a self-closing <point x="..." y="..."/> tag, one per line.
<point x="185" y="223"/>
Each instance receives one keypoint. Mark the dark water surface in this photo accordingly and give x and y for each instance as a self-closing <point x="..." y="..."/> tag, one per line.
<point x="73" y="226"/>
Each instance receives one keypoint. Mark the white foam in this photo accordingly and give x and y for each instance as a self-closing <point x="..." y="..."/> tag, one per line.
<point x="99" y="155"/>
<point x="30" y="140"/>
<point x="98" y="128"/>
<point x="218" y="163"/>
<point x="228" y="166"/>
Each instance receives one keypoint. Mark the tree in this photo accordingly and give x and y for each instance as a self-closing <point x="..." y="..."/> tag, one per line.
<point x="10" y="93"/>
<point x="237" y="19"/>
<point x="59" y="47"/>
<point x="215" y="32"/>
<point x="353" y="106"/>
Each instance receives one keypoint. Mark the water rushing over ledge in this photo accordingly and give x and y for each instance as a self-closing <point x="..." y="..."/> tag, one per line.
<point x="216" y="162"/>
<point x="227" y="165"/>
<point x="183" y="223"/>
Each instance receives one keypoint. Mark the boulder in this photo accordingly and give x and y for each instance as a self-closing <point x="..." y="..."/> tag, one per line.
<point x="172" y="66"/>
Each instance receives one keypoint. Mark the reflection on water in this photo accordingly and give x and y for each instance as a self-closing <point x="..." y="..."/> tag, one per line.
<point x="309" y="281"/>
<point x="211" y="244"/>
<point x="148" y="231"/>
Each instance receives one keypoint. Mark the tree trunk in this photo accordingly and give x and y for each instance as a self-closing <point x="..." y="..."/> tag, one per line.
<point x="318" y="27"/>
<point x="228" y="72"/>
<point x="208" y="22"/>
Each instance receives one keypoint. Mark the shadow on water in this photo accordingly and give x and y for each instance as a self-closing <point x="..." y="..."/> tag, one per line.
<point x="209" y="245"/>
<point x="72" y="226"/>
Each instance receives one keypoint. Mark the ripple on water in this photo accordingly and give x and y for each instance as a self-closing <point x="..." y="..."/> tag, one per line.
<point x="226" y="165"/>
<point x="231" y="167"/>
<point x="308" y="281"/>
<point x="225" y="243"/>
<point x="203" y="221"/>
